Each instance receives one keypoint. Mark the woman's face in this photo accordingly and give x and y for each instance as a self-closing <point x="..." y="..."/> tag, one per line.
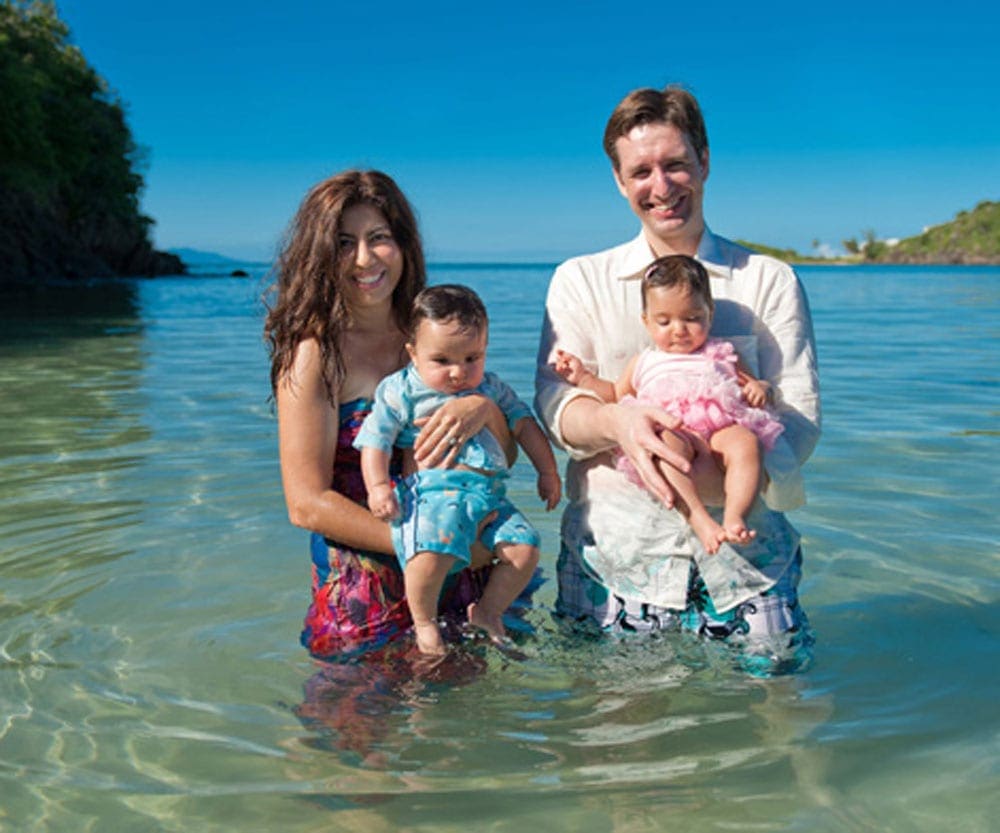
<point x="373" y="259"/>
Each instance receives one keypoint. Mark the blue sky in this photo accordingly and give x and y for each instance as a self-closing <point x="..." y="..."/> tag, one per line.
<point x="824" y="120"/>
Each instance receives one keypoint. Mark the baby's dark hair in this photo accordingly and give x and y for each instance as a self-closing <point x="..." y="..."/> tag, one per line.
<point x="449" y="302"/>
<point x="677" y="271"/>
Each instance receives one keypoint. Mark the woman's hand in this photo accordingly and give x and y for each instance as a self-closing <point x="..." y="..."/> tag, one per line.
<point x="443" y="433"/>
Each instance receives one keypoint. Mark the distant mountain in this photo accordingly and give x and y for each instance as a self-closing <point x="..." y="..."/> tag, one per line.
<point x="973" y="237"/>
<point x="202" y="264"/>
<point x="197" y="257"/>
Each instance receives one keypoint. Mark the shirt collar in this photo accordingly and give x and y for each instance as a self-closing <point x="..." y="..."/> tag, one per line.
<point x="638" y="255"/>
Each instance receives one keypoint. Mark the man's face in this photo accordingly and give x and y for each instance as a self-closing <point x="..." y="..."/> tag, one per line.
<point x="664" y="182"/>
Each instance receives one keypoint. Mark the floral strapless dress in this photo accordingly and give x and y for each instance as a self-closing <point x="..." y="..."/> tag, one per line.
<point x="358" y="602"/>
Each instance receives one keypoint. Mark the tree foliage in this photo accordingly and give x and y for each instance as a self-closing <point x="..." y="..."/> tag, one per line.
<point x="787" y="255"/>
<point x="67" y="158"/>
<point x="972" y="237"/>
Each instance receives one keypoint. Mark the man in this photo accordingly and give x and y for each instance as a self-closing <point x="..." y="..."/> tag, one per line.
<point x="628" y="559"/>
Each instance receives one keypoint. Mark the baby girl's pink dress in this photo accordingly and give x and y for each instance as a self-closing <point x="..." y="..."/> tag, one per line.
<point x="701" y="389"/>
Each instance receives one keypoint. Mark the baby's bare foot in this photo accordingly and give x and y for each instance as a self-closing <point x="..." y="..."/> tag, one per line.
<point x="708" y="531"/>
<point x="737" y="531"/>
<point x="486" y="621"/>
<point x="429" y="639"/>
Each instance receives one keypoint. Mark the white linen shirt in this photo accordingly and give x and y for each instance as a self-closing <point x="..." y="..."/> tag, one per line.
<point x="593" y="310"/>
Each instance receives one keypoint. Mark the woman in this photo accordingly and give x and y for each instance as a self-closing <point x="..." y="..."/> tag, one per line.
<point x="350" y="267"/>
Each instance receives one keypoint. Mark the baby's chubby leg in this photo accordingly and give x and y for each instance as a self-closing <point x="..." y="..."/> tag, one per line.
<point x="423" y="579"/>
<point x="507" y="580"/>
<point x="739" y="451"/>
<point x="689" y="502"/>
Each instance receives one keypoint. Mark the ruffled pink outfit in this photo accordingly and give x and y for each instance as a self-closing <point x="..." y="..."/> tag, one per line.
<point x="701" y="389"/>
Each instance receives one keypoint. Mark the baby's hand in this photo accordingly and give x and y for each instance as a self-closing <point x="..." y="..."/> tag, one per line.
<point x="756" y="393"/>
<point x="570" y="367"/>
<point x="382" y="501"/>
<point x="550" y="489"/>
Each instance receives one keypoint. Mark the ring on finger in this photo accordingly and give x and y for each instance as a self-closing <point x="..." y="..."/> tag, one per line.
<point x="452" y="441"/>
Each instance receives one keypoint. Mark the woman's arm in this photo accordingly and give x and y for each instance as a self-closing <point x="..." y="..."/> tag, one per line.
<point x="307" y="442"/>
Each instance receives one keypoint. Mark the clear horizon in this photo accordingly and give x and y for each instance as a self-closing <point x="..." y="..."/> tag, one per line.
<point x="822" y="124"/>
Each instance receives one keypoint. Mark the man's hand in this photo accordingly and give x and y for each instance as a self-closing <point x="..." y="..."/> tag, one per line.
<point x="637" y="430"/>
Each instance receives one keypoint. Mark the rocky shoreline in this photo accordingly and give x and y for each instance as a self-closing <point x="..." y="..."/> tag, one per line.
<point x="36" y="245"/>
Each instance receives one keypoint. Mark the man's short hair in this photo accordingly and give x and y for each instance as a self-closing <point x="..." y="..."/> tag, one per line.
<point x="672" y="105"/>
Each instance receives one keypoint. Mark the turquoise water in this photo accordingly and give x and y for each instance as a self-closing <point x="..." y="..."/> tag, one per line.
<point x="152" y="590"/>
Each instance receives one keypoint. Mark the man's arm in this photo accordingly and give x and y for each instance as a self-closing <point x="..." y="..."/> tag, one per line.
<point x="567" y="325"/>
<point x="789" y="362"/>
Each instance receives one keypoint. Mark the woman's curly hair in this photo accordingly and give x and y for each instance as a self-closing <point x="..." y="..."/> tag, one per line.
<point x="306" y="299"/>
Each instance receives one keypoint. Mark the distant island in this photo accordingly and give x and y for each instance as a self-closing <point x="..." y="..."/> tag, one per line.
<point x="972" y="238"/>
<point x="69" y="168"/>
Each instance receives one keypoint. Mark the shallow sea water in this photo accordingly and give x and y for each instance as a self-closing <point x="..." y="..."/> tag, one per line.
<point x="152" y="591"/>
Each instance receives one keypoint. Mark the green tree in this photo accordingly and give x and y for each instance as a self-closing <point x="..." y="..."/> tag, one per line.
<point x="873" y="248"/>
<point x="69" y="168"/>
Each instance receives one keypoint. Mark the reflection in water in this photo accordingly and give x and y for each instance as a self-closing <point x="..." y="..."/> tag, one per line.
<point x="578" y="735"/>
<point x="359" y="706"/>
<point x="56" y="312"/>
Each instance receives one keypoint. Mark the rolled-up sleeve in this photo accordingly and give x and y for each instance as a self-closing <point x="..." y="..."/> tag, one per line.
<point x="568" y="325"/>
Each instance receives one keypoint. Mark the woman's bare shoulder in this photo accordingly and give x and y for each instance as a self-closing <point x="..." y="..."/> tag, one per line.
<point x="304" y="376"/>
